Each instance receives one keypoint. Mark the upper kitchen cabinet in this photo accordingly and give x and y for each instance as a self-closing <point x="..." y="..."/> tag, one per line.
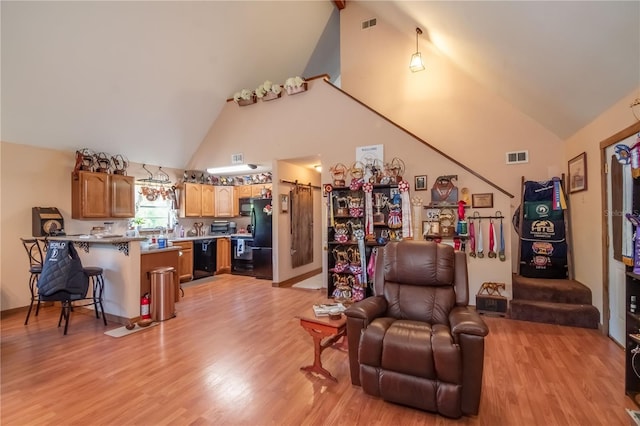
<point x="101" y="195"/>
<point x="122" y="196"/>
<point x="198" y="200"/>
<point x="224" y="201"/>
<point x="261" y="191"/>
<point x="242" y="191"/>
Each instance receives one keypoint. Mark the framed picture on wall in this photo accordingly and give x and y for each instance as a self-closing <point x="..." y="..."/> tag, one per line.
<point x="421" y="183"/>
<point x="578" y="173"/>
<point x="284" y="203"/>
<point x="479" y="201"/>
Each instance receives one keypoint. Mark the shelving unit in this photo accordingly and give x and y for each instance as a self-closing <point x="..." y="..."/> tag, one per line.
<point x="344" y="257"/>
<point x="632" y="318"/>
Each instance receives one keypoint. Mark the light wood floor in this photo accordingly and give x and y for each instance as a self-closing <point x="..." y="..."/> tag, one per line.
<point x="232" y="356"/>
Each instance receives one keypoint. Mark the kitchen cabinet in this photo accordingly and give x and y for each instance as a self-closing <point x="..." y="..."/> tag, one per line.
<point x="224" y="201"/>
<point x="156" y="259"/>
<point x="256" y="190"/>
<point x="241" y="191"/>
<point x="244" y="191"/>
<point x="223" y="256"/>
<point x="101" y="195"/>
<point x="185" y="260"/>
<point x="198" y="200"/>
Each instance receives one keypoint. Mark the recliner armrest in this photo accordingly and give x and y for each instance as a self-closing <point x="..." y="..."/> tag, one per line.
<point x="359" y="316"/>
<point x="367" y="309"/>
<point x="465" y="321"/>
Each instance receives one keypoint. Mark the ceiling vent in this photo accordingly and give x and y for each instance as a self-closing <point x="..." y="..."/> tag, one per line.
<point x="517" y="157"/>
<point x="237" y="159"/>
<point x="369" y="23"/>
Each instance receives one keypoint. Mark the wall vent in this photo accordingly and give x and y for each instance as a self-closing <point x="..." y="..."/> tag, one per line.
<point x="517" y="157"/>
<point x="237" y="159"/>
<point x="369" y="23"/>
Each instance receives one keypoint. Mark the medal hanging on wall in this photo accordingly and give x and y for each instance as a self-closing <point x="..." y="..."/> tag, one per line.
<point x="501" y="254"/>
<point x="480" y="253"/>
<point x="492" y="240"/>
<point x="472" y="238"/>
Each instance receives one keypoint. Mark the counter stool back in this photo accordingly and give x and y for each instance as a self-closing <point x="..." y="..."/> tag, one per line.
<point x="34" y="251"/>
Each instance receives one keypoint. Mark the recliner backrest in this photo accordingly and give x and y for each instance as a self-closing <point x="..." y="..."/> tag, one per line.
<point x="421" y="280"/>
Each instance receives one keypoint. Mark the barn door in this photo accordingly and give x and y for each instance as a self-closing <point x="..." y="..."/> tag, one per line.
<point x="301" y="225"/>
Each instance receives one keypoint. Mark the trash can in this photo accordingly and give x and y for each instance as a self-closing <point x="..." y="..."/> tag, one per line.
<point x="162" y="293"/>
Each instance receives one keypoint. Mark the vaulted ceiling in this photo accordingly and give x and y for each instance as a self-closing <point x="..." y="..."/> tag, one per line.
<point x="147" y="79"/>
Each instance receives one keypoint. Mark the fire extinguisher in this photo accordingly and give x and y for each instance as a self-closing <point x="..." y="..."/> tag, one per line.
<point x="145" y="304"/>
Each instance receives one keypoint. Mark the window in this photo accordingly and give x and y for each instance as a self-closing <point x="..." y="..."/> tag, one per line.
<point x="154" y="207"/>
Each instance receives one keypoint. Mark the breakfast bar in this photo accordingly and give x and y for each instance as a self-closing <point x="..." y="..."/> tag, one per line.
<point x="120" y="259"/>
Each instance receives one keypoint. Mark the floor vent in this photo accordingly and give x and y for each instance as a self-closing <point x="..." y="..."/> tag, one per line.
<point x="517" y="157"/>
<point x="369" y="23"/>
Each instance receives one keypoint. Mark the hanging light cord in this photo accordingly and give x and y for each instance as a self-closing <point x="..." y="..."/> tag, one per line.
<point x="418" y="32"/>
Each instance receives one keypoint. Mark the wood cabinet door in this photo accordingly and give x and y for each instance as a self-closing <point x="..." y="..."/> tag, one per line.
<point x="122" y="196"/>
<point x="223" y="255"/>
<point x="149" y="261"/>
<point x="244" y="191"/>
<point x="185" y="260"/>
<point x="256" y="190"/>
<point x="192" y="199"/>
<point x="208" y="200"/>
<point x="94" y="194"/>
<point x="224" y="201"/>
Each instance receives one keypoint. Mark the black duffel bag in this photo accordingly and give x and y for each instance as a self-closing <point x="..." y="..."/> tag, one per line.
<point x="62" y="272"/>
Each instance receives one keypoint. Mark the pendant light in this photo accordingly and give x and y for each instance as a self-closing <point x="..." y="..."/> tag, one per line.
<point x="416" y="63"/>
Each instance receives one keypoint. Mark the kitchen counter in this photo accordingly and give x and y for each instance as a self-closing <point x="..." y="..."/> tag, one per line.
<point x="205" y="237"/>
<point x="82" y="238"/>
<point x="158" y="250"/>
<point x="120" y="258"/>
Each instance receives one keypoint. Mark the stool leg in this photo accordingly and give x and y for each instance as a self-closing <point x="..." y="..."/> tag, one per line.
<point x="98" y="291"/>
<point x="66" y="309"/>
<point x="33" y="279"/>
<point x="94" y="289"/>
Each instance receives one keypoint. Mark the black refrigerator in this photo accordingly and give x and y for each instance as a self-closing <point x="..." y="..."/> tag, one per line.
<point x="261" y="250"/>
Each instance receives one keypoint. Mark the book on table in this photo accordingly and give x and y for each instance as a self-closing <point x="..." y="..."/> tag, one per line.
<point x="326" y="309"/>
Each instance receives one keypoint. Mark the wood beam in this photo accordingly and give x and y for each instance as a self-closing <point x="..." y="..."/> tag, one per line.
<point x="340" y="4"/>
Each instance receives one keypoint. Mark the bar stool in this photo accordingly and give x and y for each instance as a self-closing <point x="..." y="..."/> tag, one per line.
<point x="97" y="285"/>
<point x="34" y="251"/>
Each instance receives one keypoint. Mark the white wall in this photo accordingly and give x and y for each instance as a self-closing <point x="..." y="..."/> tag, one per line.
<point x="38" y="177"/>
<point x="587" y="209"/>
<point x="323" y="121"/>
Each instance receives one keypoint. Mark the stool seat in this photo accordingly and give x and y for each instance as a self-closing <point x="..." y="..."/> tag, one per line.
<point x="92" y="270"/>
<point x="35" y="269"/>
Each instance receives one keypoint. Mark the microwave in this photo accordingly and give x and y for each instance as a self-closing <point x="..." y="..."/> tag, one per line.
<point x="244" y="206"/>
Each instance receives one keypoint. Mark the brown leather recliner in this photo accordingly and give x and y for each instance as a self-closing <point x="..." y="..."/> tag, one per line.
<point x="415" y="342"/>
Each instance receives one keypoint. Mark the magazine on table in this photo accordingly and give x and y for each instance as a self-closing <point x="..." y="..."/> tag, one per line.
<point x="325" y="309"/>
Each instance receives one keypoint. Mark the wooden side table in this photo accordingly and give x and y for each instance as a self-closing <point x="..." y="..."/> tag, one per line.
<point x="325" y="333"/>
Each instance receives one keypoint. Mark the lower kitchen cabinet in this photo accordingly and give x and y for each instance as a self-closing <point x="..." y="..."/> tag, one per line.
<point x="185" y="260"/>
<point x="156" y="259"/>
<point x="223" y="253"/>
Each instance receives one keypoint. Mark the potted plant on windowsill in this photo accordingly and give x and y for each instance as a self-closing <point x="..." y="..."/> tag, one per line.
<point x="244" y="97"/>
<point x="137" y="223"/>
<point x="268" y="91"/>
<point x="295" y="85"/>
